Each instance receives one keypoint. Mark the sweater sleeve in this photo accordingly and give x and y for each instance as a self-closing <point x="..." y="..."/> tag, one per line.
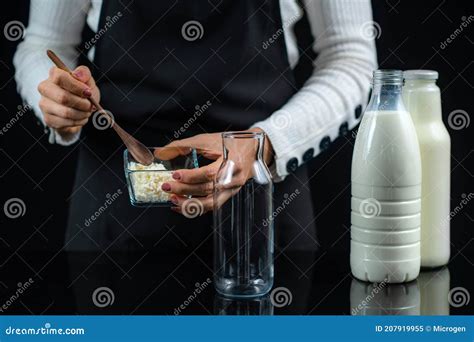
<point x="55" y="25"/>
<point x="330" y="102"/>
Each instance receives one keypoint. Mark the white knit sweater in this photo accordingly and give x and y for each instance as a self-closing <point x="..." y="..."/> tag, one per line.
<point x="320" y="111"/>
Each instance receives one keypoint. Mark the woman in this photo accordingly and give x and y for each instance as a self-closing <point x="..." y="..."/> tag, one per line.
<point x="155" y="65"/>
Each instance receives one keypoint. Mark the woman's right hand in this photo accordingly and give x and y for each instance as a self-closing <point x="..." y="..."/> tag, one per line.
<point x="64" y="100"/>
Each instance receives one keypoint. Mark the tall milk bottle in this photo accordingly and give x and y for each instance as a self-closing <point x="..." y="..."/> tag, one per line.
<point x="422" y="99"/>
<point x="386" y="187"/>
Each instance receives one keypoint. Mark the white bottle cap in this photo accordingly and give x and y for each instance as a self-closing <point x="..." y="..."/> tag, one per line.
<point x="420" y="74"/>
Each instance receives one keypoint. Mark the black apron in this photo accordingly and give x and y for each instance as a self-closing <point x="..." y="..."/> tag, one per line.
<point x="157" y="63"/>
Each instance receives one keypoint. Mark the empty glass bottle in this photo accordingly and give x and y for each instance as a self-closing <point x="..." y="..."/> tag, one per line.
<point x="243" y="230"/>
<point x="257" y="306"/>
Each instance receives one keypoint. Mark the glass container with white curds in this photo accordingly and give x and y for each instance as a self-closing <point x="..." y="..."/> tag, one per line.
<point x="144" y="181"/>
<point x="243" y="230"/>
<point x="386" y="188"/>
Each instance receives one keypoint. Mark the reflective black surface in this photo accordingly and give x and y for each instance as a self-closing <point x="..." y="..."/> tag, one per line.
<point x="167" y="284"/>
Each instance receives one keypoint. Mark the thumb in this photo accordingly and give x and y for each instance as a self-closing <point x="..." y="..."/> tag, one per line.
<point x="82" y="73"/>
<point x="174" y="149"/>
<point x="202" y="143"/>
<point x="186" y="142"/>
<point x="170" y="152"/>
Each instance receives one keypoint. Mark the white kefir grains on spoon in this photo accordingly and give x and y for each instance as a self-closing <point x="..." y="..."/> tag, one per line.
<point x="147" y="185"/>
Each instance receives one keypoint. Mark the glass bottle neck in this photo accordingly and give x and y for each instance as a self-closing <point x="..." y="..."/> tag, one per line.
<point x="243" y="145"/>
<point x="386" y="96"/>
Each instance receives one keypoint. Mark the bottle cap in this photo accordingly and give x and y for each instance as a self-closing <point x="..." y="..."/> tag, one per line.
<point x="420" y="75"/>
<point x="388" y="76"/>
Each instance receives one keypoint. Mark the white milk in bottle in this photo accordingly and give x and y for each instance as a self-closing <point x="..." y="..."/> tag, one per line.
<point x="423" y="100"/>
<point x="386" y="188"/>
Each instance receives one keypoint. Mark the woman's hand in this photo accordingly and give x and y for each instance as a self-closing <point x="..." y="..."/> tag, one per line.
<point x="64" y="100"/>
<point x="200" y="182"/>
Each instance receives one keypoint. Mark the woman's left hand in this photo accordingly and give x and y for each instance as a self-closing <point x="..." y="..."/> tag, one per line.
<point x="200" y="182"/>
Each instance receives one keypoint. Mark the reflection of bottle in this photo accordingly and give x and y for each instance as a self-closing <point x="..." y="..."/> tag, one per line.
<point x="423" y="100"/>
<point x="386" y="188"/>
<point x="243" y="222"/>
<point x="384" y="299"/>
<point x="244" y="307"/>
<point x="434" y="290"/>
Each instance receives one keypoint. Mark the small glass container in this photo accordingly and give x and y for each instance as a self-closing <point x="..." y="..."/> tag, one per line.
<point x="144" y="182"/>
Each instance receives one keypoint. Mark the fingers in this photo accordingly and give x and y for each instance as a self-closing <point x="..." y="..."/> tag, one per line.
<point x="183" y="142"/>
<point x="68" y="130"/>
<point x="200" y="181"/>
<point x="197" y="206"/>
<point x="201" y="189"/>
<point x="64" y="100"/>
<point x="204" y="144"/>
<point x="192" y="207"/>
<point x="209" y="154"/>
<point x="59" y="122"/>
<point x="83" y="74"/>
<point x="58" y="116"/>
<point x="200" y="175"/>
<point x="69" y="83"/>
<point x="171" y="152"/>
<point x="59" y="95"/>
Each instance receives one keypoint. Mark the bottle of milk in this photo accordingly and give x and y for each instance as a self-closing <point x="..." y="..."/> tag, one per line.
<point x="386" y="188"/>
<point x="423" y="101"/>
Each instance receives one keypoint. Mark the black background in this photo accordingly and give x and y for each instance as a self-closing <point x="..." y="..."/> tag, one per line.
<point x="410" y="38"/>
